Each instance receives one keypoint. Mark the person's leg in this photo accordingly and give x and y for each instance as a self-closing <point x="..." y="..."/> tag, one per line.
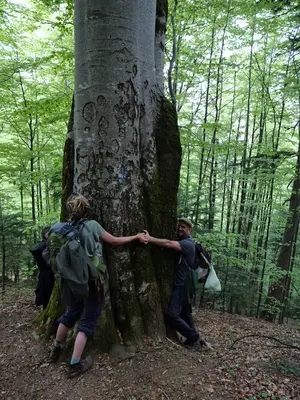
<point x="173" y="316"/>
<point x="86" y="328"/>
<point x="186" y="315"/>
<point x="79" y="346"/>
<point x="66" y="322"/>
<point x="61" y="333"/>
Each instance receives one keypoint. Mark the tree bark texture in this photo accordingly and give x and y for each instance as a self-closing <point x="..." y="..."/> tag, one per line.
<point x="127" y="155"/>
<point x="68" y="165"/>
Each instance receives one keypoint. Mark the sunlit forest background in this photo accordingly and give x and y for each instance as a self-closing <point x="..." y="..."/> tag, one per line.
<point x="232" y="73"/>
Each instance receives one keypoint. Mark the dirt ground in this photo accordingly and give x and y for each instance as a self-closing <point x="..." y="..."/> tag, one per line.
<point x="252" y="368"/>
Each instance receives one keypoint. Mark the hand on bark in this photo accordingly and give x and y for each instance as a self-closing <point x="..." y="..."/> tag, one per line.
<point x="142" y="237"/>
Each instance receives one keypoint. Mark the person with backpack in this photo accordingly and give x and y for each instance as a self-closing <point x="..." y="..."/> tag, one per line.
<point x="45" y="283"/>
<point x="87" y="311"/>
<point x="178" y="315"/>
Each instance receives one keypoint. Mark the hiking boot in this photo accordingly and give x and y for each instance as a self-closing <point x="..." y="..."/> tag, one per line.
<point x="55" y="353"/>
<point x="80" y="368"/>
<point x="205" y="345"/>
<point x="198" y="345"/>
<point x="195" y="346"/>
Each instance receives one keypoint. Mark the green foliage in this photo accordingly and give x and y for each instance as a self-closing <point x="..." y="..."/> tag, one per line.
<point x="13" y="235"/>
<point x="36" y="89"/>
<point x="236" y="82"/>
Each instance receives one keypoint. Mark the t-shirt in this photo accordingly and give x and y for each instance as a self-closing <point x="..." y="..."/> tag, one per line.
<point x="185" y="261"/>
<point x="90" y="238"/>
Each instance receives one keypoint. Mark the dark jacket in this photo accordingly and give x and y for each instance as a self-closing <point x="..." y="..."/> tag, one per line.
<point x="45" y="278"/>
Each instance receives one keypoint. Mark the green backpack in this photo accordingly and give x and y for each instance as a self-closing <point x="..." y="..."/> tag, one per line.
<point x="72" y="267"/>
<point x="191" y="286"/>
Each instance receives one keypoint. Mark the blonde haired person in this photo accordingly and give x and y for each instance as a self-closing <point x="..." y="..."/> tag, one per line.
<point x="88" y="311"/>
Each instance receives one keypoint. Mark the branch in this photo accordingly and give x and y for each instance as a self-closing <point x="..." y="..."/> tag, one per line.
<point x="267" y="337"/>
<point x="8" y="77"/>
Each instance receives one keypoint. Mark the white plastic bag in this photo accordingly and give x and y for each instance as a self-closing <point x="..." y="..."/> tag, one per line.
<point x="201" y="274"/>
<point x="212" y="283"/>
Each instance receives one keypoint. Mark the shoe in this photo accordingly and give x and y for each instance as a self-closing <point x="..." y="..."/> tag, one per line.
<point x="195" y="346"/>
<point x="80" y="368"/>
<point x="200" y="344"/>
<point x="55" y="353"/>
<point x="187" y="343"/>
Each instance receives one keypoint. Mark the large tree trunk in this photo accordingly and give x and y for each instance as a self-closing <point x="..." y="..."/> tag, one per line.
<point x="127" y="154"/>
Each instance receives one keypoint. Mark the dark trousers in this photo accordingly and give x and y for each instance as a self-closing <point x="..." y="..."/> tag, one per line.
<point x="178" y="315"/>
<point x="88" y="311"/>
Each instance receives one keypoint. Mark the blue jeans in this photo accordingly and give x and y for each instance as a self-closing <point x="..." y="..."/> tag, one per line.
<point x="88" y="311"/>
<point x="178" y="315"/>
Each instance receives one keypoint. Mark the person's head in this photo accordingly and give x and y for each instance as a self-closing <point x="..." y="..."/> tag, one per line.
<point x="184" y="227"/>
<point x="45" y="231"/>
<point x="78" y="206"/>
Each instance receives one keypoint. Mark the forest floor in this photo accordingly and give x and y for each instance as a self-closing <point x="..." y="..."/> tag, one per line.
<point x="239" y="368"/>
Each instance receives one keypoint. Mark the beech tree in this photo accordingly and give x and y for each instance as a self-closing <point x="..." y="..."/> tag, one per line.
<point x="233" y="75"/>
<point x="124" y="138"/>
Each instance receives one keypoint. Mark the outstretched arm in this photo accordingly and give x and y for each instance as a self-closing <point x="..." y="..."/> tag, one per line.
<point x="118" y="241"/>
<point x="169" y="244"/>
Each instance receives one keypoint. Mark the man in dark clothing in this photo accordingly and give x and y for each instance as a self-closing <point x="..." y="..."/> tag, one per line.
<point x="178" y="314"/>
<point x="45" y="284"/>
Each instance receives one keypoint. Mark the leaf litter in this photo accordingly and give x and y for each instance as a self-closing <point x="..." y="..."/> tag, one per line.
<point x="247" y="362"/>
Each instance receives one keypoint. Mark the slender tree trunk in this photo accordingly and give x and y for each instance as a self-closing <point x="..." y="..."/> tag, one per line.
<point x="227" y="159"/>
<point x="265" y="248"/>
<point x="172" y="82"/>
<point x="39" y="173"/>
<point x="232" y="189"/>
<point x="247" y="128"/>
<point x="32" y="124"/>
<point x="187" y="180"/>
<point x="197" y="205"/>
<point x="218" y="105"/>
<point x="47" y="193"/>
<point x="38" y="200"/>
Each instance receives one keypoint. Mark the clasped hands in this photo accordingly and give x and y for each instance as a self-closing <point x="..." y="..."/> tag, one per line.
<point x="143" y="237"/>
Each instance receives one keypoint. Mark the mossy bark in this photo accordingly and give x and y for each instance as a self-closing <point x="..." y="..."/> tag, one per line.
<point x="46" y="320"/>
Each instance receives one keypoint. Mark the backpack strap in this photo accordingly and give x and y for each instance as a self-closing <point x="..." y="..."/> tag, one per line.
<point x="182" y="258"/>
<point x="80" y="224"/>
<point x="83" y="223"/>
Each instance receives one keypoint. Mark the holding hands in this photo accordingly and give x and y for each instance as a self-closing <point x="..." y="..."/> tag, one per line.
<point x="143" y="237"/>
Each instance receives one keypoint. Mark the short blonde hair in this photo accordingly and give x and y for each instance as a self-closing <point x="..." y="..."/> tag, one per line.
<point x="77" y="206"/>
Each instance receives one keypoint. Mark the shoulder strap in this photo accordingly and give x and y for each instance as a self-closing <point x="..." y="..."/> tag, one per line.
<point x="181" y="256"/>
<point x="83" y="223"/>
<point x="80" y="224"/>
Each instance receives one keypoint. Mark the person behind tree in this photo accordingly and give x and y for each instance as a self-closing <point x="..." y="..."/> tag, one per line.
<point x="45" y="283"/>
<point x="178" y="315"/>
<point x="89" y="310"/>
